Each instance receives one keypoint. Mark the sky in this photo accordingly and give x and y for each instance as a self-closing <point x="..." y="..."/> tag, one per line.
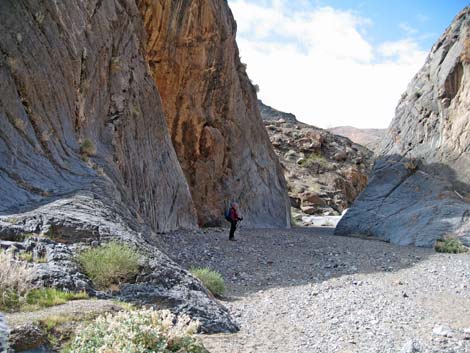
<point x="338" y="62"/>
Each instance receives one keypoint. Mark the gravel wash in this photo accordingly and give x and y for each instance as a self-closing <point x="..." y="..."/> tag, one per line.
<point x="306" y="290"/>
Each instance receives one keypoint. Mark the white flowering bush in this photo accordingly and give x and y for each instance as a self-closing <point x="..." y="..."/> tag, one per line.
<point x="139" y="331"/>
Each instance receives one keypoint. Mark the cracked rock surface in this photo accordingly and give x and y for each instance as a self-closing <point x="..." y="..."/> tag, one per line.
<point x="419" y="190"/>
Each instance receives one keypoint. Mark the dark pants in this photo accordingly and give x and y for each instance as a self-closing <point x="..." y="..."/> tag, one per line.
<point x="233" y="227"/>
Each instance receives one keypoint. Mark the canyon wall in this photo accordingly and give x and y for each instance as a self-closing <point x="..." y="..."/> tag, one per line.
<point x="420" y="186"/>
<point x="211" y="109"/>
<point x="79" y="112"/>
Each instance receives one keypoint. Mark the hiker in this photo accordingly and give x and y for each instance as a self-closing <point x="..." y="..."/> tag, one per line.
<point x="233" y="218"/>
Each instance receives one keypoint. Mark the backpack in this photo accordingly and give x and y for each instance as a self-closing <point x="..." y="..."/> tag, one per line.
<point x="227" y="214"/>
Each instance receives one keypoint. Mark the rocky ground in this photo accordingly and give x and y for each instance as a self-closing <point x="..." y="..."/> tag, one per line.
<point x="306" y="290"/>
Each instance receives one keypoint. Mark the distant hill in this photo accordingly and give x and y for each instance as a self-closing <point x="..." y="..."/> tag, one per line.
<point x="366" y="137"/>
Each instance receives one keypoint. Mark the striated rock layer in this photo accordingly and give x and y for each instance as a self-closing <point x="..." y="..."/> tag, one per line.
<point x="73" y="74"/>
<point x="420" y="188"/>
<point x="85" y="153"/>
<point x="211" y="109"/>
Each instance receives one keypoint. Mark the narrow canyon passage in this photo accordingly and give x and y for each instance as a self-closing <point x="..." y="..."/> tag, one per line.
<point x="305" y="290"/>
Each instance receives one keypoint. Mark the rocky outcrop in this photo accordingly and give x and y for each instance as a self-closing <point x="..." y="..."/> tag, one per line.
<point x="270" y="114"/>
<point x="419" y="191"/>
<point x="324" y="172"/>
<point x="369" y="138"/>
<point x="211" y="109"/>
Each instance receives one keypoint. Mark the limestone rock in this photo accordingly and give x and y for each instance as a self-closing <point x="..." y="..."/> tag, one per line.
<point x="212" y="113"/>
<point x="419" y="190"/>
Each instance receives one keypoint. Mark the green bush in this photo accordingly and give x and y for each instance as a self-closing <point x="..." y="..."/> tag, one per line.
<point x="451" y="246"/>
<point x="137" y="331"/>
<point x="313" y="160"/>
<point x="87" y="148"/>
<point x="111" y="264"/>
<point x="212" y="280"/>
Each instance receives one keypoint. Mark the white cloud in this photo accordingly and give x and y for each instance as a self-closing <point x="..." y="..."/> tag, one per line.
<point x="319" y="65"/>
<point x="408" y="29"/>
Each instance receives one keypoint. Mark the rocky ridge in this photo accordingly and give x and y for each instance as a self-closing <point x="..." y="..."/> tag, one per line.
<point x="419" y="189"/>
<point x="324" y="172"/>
<point x="369" y="138"/>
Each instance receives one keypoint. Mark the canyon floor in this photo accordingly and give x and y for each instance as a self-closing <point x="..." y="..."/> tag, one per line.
<point x="306" y="290"/>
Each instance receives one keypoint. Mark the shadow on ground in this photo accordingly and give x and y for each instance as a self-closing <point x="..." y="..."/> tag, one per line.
<point x="263" y="259"/>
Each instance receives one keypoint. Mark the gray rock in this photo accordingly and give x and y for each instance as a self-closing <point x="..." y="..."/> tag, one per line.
<point x="443" y="330"/>
<point x="26" y="338"/>
<point x="4" y="334"/>
<point x="419" y="190"/>
<point x="409" y="347"/>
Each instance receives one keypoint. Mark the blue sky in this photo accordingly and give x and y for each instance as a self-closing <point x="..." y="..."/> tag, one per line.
<point x="425" y="19"/>
<point x="335" y="62"/>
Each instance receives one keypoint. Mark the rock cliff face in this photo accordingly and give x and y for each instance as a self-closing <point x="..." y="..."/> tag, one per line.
<point x="212" y="112"/>
<point x="419" y="191"/>
<point x="79" y="112"/>
<point x="85" y="153"/>
<point x="324" y="172"/>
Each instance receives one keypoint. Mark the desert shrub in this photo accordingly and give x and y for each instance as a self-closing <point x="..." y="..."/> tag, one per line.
<point x="15" y="282"/>
<point x="313" y="160"/>
<point x="212" y="280"/>
<point x="452" y="246"/>
<point x="87" y="148"/>
<point x="46" y="297"/>
<point x="26" y="256"/>
<point x="137" y="331"/>
<point x="110" y="264"/>
<point x="20" y="124"/>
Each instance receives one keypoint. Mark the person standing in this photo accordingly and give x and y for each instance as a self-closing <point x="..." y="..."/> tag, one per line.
<point x="234" y="217"/>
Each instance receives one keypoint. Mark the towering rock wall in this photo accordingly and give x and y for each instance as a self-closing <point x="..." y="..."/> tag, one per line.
<point x="212" y="112"/>
<point x="85" y="153"/>
<point x="80" y="113"/>
<point x="420" y="187"/>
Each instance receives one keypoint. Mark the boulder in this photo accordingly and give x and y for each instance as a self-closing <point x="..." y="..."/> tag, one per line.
<point x="27" y="337"/>
<point x="310" y="198"/>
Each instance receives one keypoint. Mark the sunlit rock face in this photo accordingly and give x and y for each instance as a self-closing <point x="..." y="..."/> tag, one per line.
<point x="420" y="187"/>
<point x="211" y="110"/>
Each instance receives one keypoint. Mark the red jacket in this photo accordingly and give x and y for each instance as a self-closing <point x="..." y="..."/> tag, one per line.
<point x="234" y="214"/>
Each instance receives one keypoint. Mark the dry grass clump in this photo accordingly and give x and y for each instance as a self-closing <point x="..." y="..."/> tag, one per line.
<point x="15" y="281"/>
